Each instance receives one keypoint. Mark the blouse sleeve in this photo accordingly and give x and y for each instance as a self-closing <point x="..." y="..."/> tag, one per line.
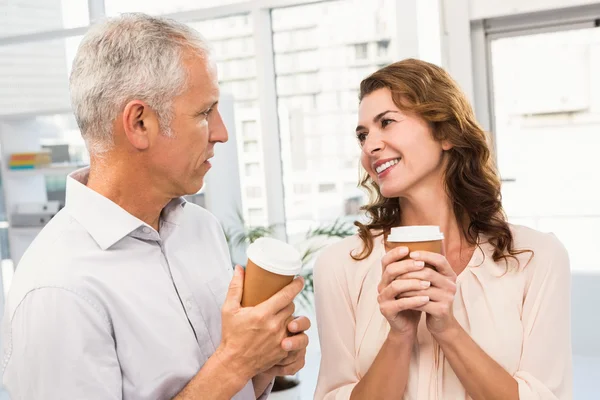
<point x="336" y="325"/>
<point x="545" y="371"/>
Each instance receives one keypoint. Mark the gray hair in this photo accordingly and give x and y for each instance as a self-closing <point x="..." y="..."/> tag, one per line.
<point x="134" y="56"/>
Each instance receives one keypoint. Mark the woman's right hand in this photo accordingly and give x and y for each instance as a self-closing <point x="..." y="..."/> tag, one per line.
<point x="399" y="311"/>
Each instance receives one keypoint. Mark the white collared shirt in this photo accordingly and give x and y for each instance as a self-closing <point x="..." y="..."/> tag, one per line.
<point x="102" y="306"/>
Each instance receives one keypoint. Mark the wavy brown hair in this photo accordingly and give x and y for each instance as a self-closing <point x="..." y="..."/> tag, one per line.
<point x="471" y="180"/>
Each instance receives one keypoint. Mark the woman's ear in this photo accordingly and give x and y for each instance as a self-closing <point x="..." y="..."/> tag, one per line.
<point x="446" y="145"/>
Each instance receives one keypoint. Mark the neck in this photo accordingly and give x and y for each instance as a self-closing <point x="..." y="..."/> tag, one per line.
<point x="114" y="179"/>
<point x="432" y="206"/>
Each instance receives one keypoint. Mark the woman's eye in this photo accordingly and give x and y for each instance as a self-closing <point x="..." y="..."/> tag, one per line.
<point x="361" y="137"/>
<point x="386" y="122"/>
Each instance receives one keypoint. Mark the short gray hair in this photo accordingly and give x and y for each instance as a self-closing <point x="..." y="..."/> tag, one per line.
<point x="134" y="56"/>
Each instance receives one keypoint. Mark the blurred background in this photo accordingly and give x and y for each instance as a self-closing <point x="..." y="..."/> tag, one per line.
<point x="289" y="72"/>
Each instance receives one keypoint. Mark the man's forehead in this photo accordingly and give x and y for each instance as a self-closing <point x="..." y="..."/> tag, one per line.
<point x="203" y="75"/>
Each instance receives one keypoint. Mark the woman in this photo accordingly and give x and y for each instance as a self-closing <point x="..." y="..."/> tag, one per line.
<point x="491" y="321"/>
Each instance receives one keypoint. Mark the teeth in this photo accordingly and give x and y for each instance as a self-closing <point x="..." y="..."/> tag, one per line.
<point x="385" y="166"/>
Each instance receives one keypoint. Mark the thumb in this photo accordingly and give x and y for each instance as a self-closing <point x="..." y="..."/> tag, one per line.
<point x="236" y="287"/>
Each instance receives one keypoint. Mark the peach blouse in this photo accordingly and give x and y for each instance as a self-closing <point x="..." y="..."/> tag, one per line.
<point x="520" y="318"/>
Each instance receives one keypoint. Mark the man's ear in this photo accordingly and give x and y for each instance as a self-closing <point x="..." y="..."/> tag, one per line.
<point x="140" y="124"/>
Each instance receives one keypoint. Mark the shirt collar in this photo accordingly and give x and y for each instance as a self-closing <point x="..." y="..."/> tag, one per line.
<point x="103" y="219"/>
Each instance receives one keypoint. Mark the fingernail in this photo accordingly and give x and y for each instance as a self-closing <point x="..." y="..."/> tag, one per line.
<point x="420" y="264"/>
<point x="287" y="345"/>
<point x="425" y="284"/>
<point x="424" y="299"/>
<point x="403" y="249"/>
<point x="294" y="326"/>
<point x="415" y="254"/>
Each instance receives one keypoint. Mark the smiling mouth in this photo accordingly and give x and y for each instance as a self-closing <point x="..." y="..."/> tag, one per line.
<point x="383" y="167"/>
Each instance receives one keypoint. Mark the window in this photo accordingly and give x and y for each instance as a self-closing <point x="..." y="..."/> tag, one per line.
<point x="249" y="129"/>
<point x="382" y="48"/>
<point x="233" y="43"/>
<point x="254" y="213"/>
<point x="254" y="192"/>
<point x="318" y="108"/>
<point x="327" y="187"/>
<point x="18" y="17"/>
<point x="251" y="146"/>
<point x="302" y="188"/>
<point x="547" y="135"/>
<point x="361" y="51"/>
<point x="34" y="77"/>
<point x="114" y="7"/>
<point x="252" y="169"/>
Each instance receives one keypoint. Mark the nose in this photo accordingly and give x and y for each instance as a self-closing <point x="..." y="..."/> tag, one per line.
<point x="218" y="130"/>
<point x="373" y="144"/>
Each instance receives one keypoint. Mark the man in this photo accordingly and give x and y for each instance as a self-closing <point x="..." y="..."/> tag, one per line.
<point x="124" y="295"/>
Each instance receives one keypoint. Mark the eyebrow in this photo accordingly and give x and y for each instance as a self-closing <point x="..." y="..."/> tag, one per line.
<point x="207" y="107"/>
<point x="376" y="119"/>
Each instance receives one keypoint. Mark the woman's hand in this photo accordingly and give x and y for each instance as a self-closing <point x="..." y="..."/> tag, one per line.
<point x="440" y="318"/>
<point x="401" y="310"/>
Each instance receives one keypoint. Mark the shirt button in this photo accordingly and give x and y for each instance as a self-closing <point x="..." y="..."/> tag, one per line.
<point x="189" y="304"/>
<point x="146" y="229"/>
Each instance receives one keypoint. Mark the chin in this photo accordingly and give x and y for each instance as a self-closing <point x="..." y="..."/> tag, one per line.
<point x="196" y="188"/>
<point x="393" y="191"/>
<point x="192" y="187"/>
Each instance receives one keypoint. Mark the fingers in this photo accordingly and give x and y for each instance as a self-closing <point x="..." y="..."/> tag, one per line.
<point x="427" y="274"/>
<point x="295" y="343"/>
<point x="283" y="298"/>
<point x="393" y="255"/>
<point x="292" y="358"/>
<point x="438" y="261"/>
<point x="396" y="269"/>
<point x="399" y="286"/>
<point x="290" y="367"/>
<point x="236" y="287"/>
<point x="299" y="324"/>
<point x="437" y="309"/>
<point x="434" y="294"/>
<point x="390" y="309"/>
<point x="287" y="313"/>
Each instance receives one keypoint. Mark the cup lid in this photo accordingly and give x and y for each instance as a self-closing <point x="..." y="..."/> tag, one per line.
<point x="424" y="233"/>
<point x="275" y="256"/>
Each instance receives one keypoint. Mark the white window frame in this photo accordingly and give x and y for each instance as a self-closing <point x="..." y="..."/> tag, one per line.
<point x="260" y="12"/>
<point x="483" y="32"/>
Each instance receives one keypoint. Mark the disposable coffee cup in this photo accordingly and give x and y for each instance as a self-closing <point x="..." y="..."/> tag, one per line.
<point x="416" y="238"/>
<point x="272" y="265"/>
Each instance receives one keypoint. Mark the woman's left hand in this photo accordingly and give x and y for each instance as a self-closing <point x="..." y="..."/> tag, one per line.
<point x="440" y="317"/>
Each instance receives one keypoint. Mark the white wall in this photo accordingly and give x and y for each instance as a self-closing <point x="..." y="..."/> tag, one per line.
<point x="480" y="9"/>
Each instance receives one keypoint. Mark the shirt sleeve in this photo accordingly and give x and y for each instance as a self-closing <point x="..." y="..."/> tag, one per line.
<point x="545" y="371"/>
<point x="267" y="392"/>
<point x="58" y="345"/>
<point x="336" y="325"/>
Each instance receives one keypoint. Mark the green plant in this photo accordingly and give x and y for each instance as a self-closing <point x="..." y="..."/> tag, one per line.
<point x="338" y="229"/>
<point x="314" y="241"/>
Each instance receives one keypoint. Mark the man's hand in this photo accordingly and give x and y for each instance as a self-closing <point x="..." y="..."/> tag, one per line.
<point x="255" y="339"/>
<point x="296" y="345"/>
